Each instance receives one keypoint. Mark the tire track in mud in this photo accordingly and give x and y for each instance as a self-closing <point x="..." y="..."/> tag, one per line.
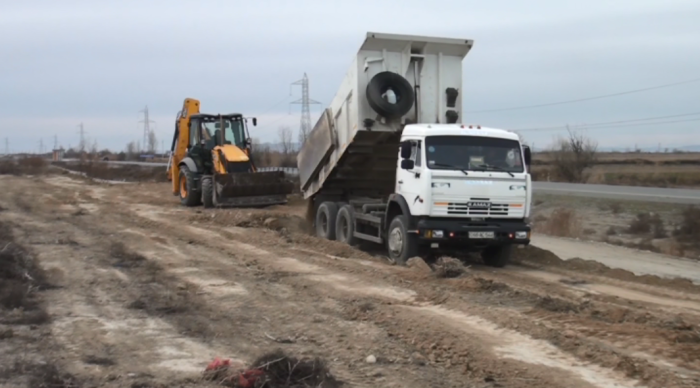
<point x="103" y="340"/>
<point x="488" y="293"/>
<point x="589" y="374"/>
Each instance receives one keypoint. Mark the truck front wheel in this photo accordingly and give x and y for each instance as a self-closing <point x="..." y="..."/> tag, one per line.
<point x="325" y="220"/>
<point x="401" y="245"/>
<point x="497" y="256"/>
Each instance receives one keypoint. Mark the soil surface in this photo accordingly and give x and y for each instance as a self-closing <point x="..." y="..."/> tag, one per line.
<point x="145" y="293"/>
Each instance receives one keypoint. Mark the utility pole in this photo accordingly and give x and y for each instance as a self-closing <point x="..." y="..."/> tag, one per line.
<point x="146" y="126"/>
<point x="305" y="101"/>
<point x="41" y="146"/>
<point x="82" y="137"/>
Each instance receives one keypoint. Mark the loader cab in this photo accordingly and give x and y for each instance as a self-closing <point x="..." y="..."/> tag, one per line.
<point x="210" y="131"/>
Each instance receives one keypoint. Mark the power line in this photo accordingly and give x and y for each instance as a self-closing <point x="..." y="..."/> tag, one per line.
<point x="585" y="99"/>
<point x="608" y="126"/>
<point x="606" y="122"/>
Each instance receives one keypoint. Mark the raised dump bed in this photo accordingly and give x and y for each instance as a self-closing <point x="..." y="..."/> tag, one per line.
<point x="353" y="149"/>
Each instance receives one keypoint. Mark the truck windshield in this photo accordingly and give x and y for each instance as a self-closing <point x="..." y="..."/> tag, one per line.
<point x="473" y="153"/>
<point x="234" y="133"/>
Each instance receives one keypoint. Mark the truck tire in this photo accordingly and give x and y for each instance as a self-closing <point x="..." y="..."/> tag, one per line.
<point x="345" y="225"/>
<point x="208" y="192"/>
<point x="379" y="84"/>
<point x="325" y="220"/>
<point x="497" y="256"/>
<point x="188" y="189"/>
<point x="401" y="246"/>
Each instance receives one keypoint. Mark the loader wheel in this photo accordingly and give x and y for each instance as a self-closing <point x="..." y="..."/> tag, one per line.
<point x="400" y="244"/>
<point x="379" y="84"/>
<point x="325" y="220"/>
<point x="208" y="192"/>
<point x="345" y="225"/>
<point x="188" y="191"/>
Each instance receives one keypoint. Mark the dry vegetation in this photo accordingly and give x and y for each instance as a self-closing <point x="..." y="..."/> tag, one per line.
<point x="129" y="173"/>
<point x="664" y="228"/>
<point x="576" y="159"/>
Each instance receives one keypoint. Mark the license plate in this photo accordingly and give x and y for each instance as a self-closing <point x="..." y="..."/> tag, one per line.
<point x="481" y="235"/>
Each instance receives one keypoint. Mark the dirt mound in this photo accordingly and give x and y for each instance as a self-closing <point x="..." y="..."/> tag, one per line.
<point x="538" y="257"/>
<point x="274" y="370"/>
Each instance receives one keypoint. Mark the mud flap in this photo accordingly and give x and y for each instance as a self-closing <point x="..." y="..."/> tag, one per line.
<point x="251" y="189"/>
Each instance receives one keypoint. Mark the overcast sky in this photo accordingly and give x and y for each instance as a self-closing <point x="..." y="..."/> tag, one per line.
<point x="100" y="62"/>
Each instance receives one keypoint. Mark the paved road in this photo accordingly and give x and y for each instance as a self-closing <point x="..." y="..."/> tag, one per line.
<point x="652" y="194"/>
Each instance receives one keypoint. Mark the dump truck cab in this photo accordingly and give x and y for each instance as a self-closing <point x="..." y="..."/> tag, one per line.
<point x="460" y="187"/>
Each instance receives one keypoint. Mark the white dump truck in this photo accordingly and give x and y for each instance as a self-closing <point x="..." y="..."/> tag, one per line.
<point x="390" y="162"/>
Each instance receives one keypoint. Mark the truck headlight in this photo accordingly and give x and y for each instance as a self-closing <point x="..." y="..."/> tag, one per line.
<point x="521" y="235"/>
<point x="438" y="233"/>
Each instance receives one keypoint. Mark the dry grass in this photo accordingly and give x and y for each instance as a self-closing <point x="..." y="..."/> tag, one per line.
<point x="647" y="223"/>
<point x="631" y="169"/>
<point x="562" y="222"/>
<point x="20" y="280"/>
<point x="688" y="232"/>
<point x="119" y="173"/>
<point x="24" y="166"/>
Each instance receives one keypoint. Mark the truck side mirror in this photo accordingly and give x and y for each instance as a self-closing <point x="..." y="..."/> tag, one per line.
<point x="255" y="121"/>
<point x="407" y="164"/>
<point x="528" y="155"/>
<point x="406" y="150"/>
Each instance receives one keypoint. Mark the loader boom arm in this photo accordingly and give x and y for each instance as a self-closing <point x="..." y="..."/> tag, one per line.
<point x="181" y="141"/>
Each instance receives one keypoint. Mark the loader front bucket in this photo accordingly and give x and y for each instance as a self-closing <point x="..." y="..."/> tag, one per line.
<point x="251" y="189"/>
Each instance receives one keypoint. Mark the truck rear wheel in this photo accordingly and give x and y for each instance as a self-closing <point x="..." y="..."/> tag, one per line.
<point x="497" y="256"/>
<point x="345" y="225"/>
<point x="325" y="220"/>
<point x="401" y="245"/>
<point x="188" y="189"/>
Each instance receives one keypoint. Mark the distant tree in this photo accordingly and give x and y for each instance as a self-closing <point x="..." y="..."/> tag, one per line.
<point x="572" y="156"/>
<point x="152" y="142"/>
<point x="285" y="138"/>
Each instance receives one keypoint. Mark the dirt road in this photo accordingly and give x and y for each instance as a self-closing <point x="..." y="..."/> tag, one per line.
<point x="637" y="262"/>
<point x="148" y="292"/>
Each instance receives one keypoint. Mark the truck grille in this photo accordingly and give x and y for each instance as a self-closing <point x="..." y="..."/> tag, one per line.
<point x="495" y="209"/>
<point x="478" y="207"/>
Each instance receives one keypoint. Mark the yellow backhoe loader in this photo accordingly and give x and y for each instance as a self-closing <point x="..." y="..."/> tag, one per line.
<point x="211" y="162"/>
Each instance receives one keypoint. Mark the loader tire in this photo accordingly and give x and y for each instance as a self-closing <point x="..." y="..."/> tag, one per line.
<point x="379" y="84"/>
<point x="208" y="192"/>
<point x="325" y="220"/>
<point x="188" y="189"/>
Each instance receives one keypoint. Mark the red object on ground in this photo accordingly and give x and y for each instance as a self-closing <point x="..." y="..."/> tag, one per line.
<point x="218" y="363"/>
<point x="247" y="378"/>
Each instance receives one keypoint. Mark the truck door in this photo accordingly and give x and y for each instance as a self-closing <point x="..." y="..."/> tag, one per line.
<point x="409" y="182"/>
